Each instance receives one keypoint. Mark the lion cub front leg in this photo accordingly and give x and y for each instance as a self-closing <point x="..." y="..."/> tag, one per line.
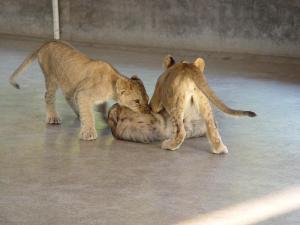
<point x="87" y="121"/>
<point x="178" y="130"/>
<point x="211" y="129"/>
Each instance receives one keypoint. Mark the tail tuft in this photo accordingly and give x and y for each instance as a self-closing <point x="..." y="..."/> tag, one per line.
<point x="22" y="67"/>
<point x="251" y="114"/>
<point x="17" y="86"/>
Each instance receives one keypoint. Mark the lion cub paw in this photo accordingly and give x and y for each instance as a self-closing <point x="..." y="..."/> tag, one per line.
<point x="170" y="145"/>
<point x="88" y="134"/>
<point x="222" y="149"/>
<point x="54" y="120"/>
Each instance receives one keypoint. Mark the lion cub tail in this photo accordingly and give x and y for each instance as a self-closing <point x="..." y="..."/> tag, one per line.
<point x="28" y="60"/>
<point x="201" y="83"/>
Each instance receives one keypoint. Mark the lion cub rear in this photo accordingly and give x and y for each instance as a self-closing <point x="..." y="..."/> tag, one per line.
<point x="84" y="82"/>
<point x="184" y="84"/>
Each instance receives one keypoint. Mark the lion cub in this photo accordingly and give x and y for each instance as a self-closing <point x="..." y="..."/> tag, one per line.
<point x="181" y="85"/>
<point x="128" y="125"/>
<point x="84" y="83"/>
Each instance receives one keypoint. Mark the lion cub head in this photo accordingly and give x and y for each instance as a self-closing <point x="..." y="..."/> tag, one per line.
<point x="132" y="94"/>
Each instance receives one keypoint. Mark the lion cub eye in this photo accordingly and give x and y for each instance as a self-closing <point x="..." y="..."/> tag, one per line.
<point x="137" y="101"/>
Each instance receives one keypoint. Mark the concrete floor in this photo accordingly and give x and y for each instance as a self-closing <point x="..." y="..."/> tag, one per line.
<point x="48" y="176"/>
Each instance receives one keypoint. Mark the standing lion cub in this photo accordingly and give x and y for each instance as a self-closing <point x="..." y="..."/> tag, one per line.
<point x="184" y="84"/>
<point x="84" y="83"/>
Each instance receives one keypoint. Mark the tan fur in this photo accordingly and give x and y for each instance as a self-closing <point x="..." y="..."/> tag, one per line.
<point x="177" y="87"/>
<point x="84" y="83"/>
<point x="139" y="127"/>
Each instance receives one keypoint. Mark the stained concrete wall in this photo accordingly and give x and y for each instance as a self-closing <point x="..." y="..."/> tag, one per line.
<point x="26" y="17"/>
<point x="269" y="27"/>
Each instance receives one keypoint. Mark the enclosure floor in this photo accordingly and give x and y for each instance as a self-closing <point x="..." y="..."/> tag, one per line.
<point x="48" y="176"/>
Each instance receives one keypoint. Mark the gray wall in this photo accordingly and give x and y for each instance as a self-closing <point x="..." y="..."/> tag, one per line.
<point x="269" y="27"/>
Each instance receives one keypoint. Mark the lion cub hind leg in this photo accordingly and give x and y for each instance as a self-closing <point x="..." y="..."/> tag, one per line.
<point x="211" y="129"/>
<point x="178" y="130"/>
<point x="87" y="120"/>
<point x="51" y="87"/>
<point x="178" y="135"/>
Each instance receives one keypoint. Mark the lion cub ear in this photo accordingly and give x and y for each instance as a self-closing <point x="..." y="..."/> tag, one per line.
<point x="168" y="62"/>
<point x="113" y="114"/>
<point x="136" y="78"/>
<point x="121" y="86"/>
<point x="200" y="64"/>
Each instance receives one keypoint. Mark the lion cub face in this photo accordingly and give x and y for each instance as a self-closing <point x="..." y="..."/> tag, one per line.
<point x="132" y="94"/>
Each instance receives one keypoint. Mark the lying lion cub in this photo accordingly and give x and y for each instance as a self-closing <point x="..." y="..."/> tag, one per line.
<point x="139" y="127"/>
<point x="184" y="84"/>
<point x="84" y="82"/>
